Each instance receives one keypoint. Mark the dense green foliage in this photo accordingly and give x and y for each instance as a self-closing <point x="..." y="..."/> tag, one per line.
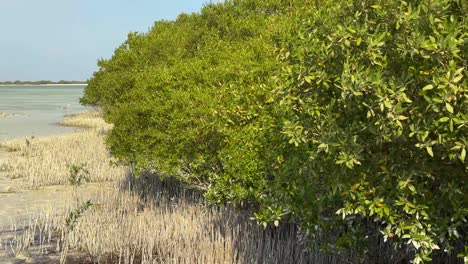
<point x="328" y="114"/>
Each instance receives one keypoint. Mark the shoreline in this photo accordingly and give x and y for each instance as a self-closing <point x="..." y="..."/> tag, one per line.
<point x="50" y="84"/>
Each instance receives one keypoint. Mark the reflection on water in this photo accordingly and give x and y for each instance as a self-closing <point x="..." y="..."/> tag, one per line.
<point x="37" y="109"/>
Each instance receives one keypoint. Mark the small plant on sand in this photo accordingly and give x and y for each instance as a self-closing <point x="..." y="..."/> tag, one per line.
<point x="71" y="221"/>
<point x="75" y="214"/>
<point x="78" y="174"/>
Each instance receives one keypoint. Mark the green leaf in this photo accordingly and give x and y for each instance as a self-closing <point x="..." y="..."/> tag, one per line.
<point x="358" y="41"/>
<point x="463" y="155"/>
<point x="405" y="98"/>
<point x="456" y="148"/>
<point x="457" y="79"/>
<point x="428" y="87"/>
<point x="443" y="119"/>
<point x="429" y="151"/>
<point x="347" y="43"/>
<point x="449" y="107"/>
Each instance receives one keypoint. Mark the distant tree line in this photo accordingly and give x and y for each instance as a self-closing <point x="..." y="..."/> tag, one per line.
<point x="330" y="114"/>
<point x="40" y="82"/>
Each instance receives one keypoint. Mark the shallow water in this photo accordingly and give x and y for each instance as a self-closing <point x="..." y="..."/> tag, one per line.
<point x="37" y="109"/>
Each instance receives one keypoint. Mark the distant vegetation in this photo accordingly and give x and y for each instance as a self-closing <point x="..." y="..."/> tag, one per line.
<point x="40" y="82"/>
<point x="347" y="115"/>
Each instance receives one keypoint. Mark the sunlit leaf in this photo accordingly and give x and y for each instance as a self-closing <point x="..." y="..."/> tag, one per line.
<point x="449" y="108"/>
<point x="429" y="151"/>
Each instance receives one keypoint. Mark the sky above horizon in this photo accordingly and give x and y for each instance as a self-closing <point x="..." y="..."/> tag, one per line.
<point x="63" y="39"/>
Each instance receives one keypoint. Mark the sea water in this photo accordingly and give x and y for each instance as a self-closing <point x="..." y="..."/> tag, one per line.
<point x="35" y="110"/>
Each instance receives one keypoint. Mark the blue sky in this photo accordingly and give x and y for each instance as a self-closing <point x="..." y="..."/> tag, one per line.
<point x="62" y="39"/>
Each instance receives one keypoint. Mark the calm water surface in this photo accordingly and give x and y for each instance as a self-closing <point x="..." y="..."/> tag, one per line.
<point x="38" y="109"/>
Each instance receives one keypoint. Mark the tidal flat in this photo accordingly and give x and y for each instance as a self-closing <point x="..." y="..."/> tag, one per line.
<point x="27" y="111"/>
